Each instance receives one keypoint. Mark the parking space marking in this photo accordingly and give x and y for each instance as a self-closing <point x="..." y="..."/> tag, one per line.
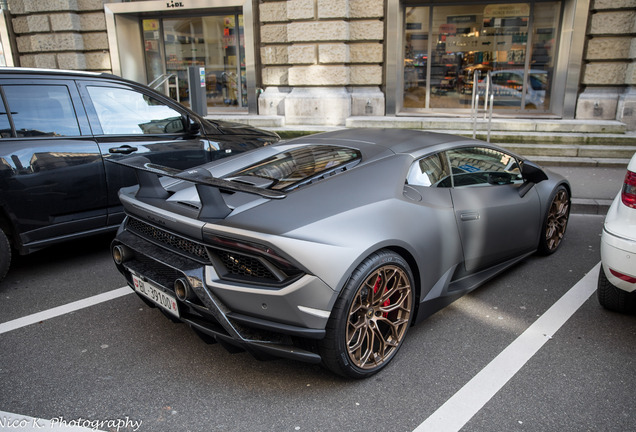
<point x="463" y="405"/>
<point x="64" y="309"/>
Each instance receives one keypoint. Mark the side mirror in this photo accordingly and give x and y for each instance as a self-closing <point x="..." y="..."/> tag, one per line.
<point x="532" y="174"/>
<point x="192" y="127"/>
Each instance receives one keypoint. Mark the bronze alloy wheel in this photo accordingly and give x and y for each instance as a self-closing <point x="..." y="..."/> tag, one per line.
<point x="379" y="317"/>
<point x="557" y="219"/>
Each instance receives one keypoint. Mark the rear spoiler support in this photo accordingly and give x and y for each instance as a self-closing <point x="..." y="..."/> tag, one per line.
<point x="208" y="187"/>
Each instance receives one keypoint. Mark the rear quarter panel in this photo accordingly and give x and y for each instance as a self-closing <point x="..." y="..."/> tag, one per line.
<point x="330" y="227"/>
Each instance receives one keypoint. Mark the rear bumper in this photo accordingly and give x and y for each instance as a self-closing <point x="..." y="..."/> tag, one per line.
<point x="209" y="314"/>
<point x="619" y="254"/>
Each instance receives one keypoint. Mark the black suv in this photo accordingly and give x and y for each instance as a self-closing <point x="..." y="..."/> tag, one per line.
<point x="57" y="128"/>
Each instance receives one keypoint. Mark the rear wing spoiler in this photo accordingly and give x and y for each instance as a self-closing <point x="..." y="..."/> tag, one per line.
<point x="208" y="187"/>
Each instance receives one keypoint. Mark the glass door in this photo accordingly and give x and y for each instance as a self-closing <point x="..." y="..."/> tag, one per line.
<point x="447" y="45"/>
<point x="213" y="42"/>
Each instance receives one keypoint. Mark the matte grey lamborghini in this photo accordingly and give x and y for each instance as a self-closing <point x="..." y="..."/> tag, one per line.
<point x="327" y="248"/>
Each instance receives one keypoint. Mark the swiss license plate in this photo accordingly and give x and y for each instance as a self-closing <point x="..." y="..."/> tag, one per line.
<point x="156" y="295"/>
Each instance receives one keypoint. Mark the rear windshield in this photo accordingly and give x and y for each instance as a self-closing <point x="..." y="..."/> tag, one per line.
<point x="301" y="165"/>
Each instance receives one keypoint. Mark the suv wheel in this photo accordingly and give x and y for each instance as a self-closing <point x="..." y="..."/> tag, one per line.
<point x="5" y="254"/>
<point x="613" y="298"/>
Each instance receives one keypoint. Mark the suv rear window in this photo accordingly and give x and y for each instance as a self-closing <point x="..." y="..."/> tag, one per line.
<point x="301" y="165"/>
<point x="41" y="110"/>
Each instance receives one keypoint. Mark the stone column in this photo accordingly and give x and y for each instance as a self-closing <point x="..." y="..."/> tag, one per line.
<point x="322" y="59"/>
<point x="61" y="34"/>
<point x="609" y="73"/>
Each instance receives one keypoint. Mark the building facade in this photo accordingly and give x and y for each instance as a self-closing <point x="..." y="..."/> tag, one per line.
<point x="321" y="62"/>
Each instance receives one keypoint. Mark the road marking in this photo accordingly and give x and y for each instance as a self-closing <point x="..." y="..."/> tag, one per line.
<point x="64" y="309"/>
<point x="464" y="404"/>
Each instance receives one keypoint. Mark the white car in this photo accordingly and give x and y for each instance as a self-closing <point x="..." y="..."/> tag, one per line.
<point x="617" y="278"/>
<point x="507" y="86"/>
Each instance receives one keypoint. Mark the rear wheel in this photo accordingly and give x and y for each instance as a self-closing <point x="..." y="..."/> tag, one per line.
<point x="613" y="298"/>
<point x="556" y="221"/>
<point x="5" y="254"/>
<point x="371" y="317"/>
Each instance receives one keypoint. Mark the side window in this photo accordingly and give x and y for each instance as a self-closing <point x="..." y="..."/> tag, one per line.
<point x="40" y="110"/>
<point x="5" y="126"/>
<point x="429" y="171"/>
<point x="127" y="112"/>
<point x="475" y="166"/>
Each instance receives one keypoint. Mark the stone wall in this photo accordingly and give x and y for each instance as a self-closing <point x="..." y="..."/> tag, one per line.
<point x="609" y="71"/>
<point x="322" y="59"/>
<point x="61" y="34"/>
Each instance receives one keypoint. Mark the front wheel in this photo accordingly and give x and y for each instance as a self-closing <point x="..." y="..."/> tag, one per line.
<point x="370" y="318"/>
<point x="556" y="221"/>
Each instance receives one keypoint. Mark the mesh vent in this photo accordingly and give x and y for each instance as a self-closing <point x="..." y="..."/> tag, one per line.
<point x="245" y="266"/>
<point x="229" y="264"/>
<point x="168" y="239"/>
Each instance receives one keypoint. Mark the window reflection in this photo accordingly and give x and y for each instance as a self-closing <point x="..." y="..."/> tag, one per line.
<point x="40" y="110"/>
<point x="126" y="112"/>
<point x="216" y="43"/>
<point x="512" y="41"/>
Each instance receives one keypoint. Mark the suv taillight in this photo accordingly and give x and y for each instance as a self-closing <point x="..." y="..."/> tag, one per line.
<point x="628" y="194"/>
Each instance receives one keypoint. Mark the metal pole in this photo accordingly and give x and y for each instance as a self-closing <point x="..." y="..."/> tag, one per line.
<point x="492" y="101"/>
<point x="486" y="95"/>
<point x="474" y="105"/>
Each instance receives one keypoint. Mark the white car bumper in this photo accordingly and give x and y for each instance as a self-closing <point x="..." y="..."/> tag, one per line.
<point x="619" y="254"/>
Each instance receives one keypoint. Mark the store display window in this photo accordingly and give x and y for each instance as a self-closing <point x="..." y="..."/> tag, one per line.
<point x="450" y="50"/>
<point x="215" y="42"/>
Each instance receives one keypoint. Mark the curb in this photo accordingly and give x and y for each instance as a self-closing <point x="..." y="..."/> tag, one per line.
<point x="590" y="206"/>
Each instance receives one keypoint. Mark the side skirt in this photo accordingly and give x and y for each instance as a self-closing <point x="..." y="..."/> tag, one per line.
<point x="459" y="287"/>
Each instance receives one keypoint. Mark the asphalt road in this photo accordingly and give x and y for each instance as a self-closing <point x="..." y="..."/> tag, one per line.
<point x="119" y="360"/>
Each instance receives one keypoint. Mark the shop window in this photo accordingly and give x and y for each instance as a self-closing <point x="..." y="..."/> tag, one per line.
<point x="448" y="47"/>
<point x="216" y="43"/>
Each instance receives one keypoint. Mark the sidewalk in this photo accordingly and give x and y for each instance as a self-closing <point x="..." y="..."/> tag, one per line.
<point x="593" y="188"/>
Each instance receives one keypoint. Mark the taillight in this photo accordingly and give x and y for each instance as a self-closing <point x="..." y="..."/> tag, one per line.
<point x="242" y="261"/>
<point x="622" y="276"/>
<point x="628" y="194"/>
<point x="252" y="248"/>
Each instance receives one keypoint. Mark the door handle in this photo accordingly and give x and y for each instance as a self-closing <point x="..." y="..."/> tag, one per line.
<point x="125" y="149"/>
<point x="468" y="216"/>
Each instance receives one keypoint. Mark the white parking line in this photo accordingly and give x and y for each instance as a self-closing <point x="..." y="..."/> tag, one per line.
<point x="64" y="309"/>
<point x="464" y="404"/>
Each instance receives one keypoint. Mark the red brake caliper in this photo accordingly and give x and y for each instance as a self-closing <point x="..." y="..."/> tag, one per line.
<point x="375" y="290"/>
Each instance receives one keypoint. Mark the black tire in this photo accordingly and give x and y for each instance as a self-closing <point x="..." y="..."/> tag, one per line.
<point x="5" y="254"/>
<point x="555" y="221"/>
<point x="365" y="331"/>
<point x="613" y="298"/>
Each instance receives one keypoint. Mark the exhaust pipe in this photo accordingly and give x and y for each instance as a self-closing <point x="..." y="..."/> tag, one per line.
<point x="121" y="254"/>
<point x="182" y="289"/>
